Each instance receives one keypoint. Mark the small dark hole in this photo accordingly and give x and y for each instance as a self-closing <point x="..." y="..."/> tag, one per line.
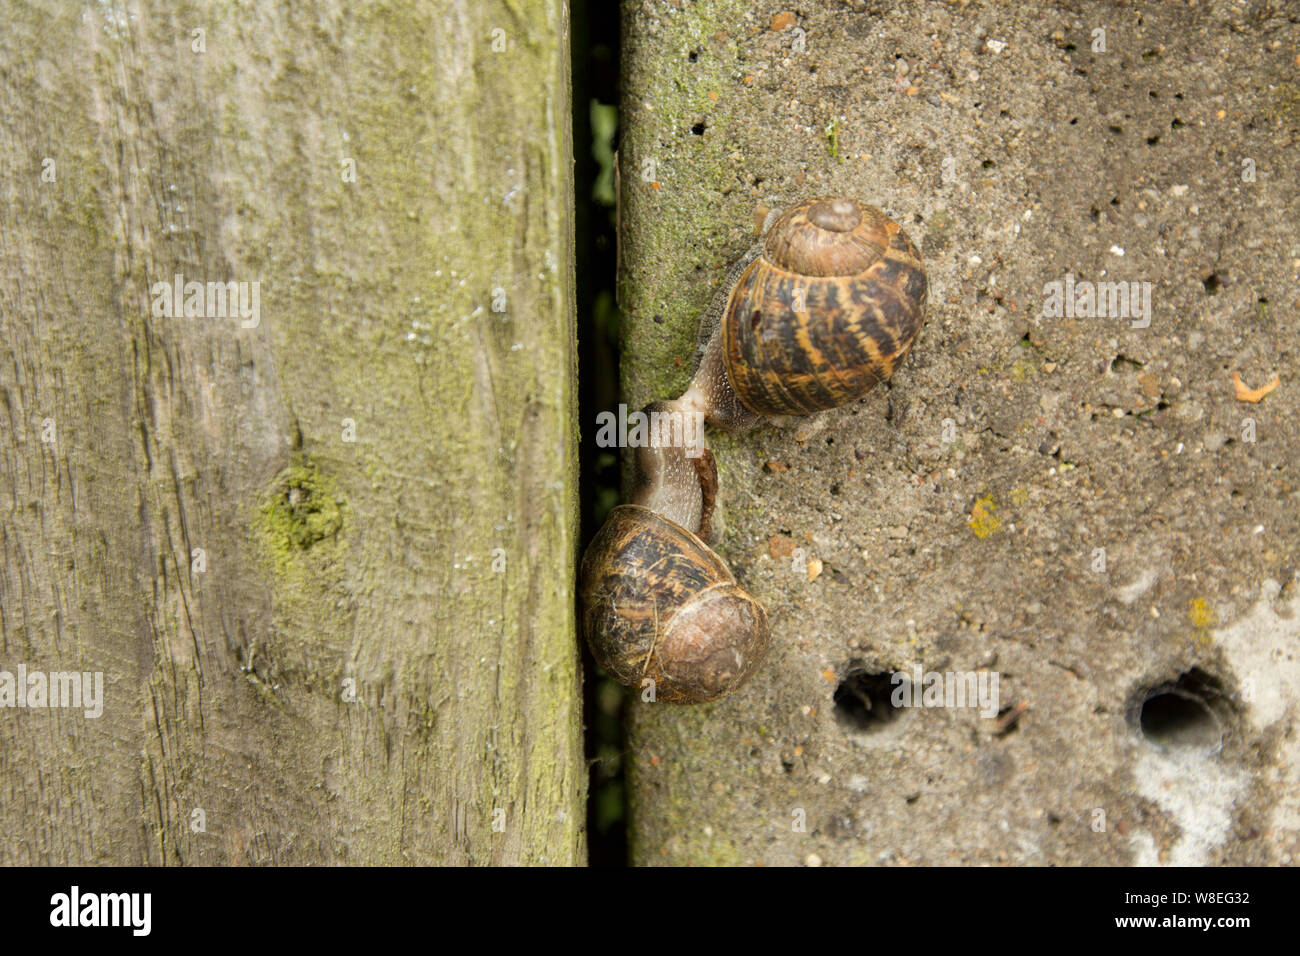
<point x="1075" y="121"/>
<point x="1152" y="140"/>
<point x="1174" y="719"/>
<point x="698" y="129"/>
<point x="1211" y="283"/>
<point x="1177" y="123"/>
<point x="1116" y="129"/>
<point x="693" y="56"/>
<point x="988" y="164"/>
<point x="1183" y="714"/>
<point x="863" y="701"/>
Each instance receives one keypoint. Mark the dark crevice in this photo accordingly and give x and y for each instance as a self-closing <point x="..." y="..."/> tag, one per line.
<point x="596" y="87"/>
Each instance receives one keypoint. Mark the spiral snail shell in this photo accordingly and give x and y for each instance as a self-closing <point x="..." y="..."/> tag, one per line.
<point x="830" y="308"/>
<point x="658" y="603"/>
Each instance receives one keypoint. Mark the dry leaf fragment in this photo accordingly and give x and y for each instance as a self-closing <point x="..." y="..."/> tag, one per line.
<point x="1008" y="720"/>
<point x="1245" y="394"/>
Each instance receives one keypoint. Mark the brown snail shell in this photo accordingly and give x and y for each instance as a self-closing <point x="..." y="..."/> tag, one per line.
<point x="658" y="603"/>
<point x="828" y="309"/>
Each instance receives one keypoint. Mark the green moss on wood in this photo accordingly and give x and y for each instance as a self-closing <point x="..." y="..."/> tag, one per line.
<point x="301" y="510"/>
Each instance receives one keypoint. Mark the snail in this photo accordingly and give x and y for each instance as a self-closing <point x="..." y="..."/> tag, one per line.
<point x="825" y="306"/>
<point x="657" y="603"/>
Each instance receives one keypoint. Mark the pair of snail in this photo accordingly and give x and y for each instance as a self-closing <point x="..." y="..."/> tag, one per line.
<point x="818" y="311"/>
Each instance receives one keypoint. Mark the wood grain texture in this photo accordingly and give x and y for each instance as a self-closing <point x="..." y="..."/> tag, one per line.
<point x="424" y="309"/>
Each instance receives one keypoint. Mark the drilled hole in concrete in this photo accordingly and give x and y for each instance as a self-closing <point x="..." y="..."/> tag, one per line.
<point x="1182" y="715"/>
<point x="1175" y="719"/>
<point x="862" y="701"/>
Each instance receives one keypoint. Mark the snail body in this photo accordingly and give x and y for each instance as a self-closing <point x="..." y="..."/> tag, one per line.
<point x="658" y="603"/>
<point x="812" y="317"/>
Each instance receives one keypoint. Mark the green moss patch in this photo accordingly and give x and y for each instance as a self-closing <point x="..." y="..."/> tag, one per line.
<point x="302" y="509"/>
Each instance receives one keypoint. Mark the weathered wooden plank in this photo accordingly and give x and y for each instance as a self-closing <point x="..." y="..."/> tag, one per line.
<point x="322" y="553"/>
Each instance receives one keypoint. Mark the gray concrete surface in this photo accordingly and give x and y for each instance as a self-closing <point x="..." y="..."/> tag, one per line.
<point x="1016" y="155"/>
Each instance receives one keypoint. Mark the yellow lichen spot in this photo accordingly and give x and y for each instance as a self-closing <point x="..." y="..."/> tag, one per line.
<point x="982" y="520"/>
<point x="1200" y="613"/>
<point x="1022" y="370"/>
<point x="1019" y="496"/>
<point x="832" y="132"/>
